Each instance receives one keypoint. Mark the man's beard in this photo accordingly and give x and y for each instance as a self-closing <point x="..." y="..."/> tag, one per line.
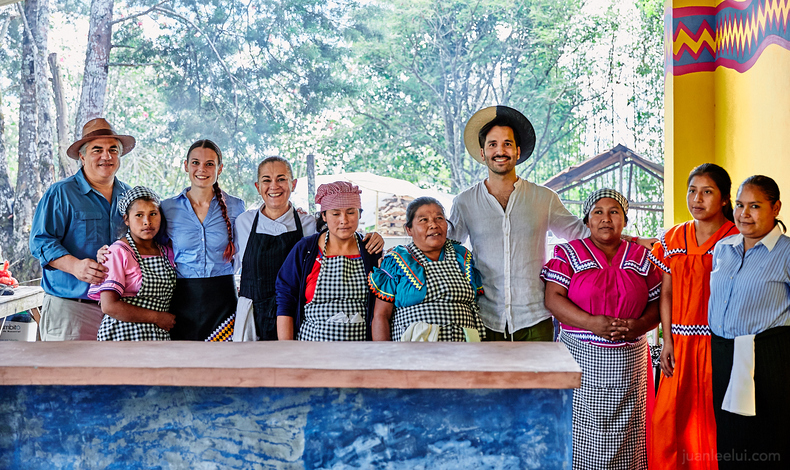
<point x="497" y="170"/>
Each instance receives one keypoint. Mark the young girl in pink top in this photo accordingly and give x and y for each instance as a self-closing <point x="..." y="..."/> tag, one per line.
<point x="135" y="296"/>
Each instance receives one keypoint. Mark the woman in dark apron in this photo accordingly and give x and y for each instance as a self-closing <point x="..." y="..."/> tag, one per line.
<point x="266" y="236"/>
<point x="322" y="292"/>
<point x="200" y="224"/>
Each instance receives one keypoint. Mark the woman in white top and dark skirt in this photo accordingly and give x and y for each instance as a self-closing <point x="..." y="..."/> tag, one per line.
<point x="749" y="316"/>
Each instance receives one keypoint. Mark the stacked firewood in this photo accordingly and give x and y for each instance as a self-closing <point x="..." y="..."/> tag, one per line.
<point x="392" y="216"/>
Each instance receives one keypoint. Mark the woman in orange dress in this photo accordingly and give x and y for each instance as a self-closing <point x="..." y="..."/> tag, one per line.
<point x="684" y="427"/>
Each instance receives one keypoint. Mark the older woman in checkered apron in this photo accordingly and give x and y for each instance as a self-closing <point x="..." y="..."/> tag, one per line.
<point x="135" y="296"/>
<point x="604" y="292"/>
<point x="321" y="289"/>
<point x="427" y="290"/>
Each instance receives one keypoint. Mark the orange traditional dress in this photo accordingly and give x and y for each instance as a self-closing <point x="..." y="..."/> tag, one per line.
<point x="684" y="427"/>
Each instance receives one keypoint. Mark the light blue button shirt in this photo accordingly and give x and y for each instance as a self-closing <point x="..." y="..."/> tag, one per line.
<point x="750" y="294"/>
<point x="74" y="219"/>
<point x="198" y="247"/>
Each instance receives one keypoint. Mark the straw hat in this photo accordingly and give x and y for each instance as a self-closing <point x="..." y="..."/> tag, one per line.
<point x="96" y="129"/>
<point x="514" y="119"/>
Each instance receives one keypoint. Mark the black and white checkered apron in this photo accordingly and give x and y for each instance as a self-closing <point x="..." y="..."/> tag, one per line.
<point x="609" y="409"/>
<point x="156" y="291"/>
<point x="341" y="293"/>
<point x="449" y="299"/>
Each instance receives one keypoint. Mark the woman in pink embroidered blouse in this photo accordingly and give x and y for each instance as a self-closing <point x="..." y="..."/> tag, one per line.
<point x="604" y="292"/>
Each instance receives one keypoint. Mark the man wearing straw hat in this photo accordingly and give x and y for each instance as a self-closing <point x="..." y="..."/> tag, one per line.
<point x="75" y="217"/>
<point x="506" y="220"/>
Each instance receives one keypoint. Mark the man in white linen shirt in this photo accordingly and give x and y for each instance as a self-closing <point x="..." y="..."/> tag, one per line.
<point x="506" y="220"/>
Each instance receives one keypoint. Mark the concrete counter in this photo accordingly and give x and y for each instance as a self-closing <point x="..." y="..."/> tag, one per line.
<point x="286" y="405"/>
<point x="291" y="364"/>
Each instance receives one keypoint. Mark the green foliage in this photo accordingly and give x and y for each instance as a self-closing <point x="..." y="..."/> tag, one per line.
<point x="427" y="66"/>
<point x="376" y="86"/>
<point x="246" y="75"/>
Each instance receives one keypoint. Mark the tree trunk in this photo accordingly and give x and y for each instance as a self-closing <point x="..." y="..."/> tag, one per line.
<point x="6" y="190"/>
<point x="46" y="141"/>
<point x="28" y="183"/>
<point x="94" y="81"/>
<point x="65" y="165"/>
<point x="6" y="197"/>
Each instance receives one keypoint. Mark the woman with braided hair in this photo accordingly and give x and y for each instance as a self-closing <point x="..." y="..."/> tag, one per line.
<point x="200" y="223"/>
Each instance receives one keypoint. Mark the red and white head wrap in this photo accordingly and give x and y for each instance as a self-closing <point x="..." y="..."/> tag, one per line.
<point x="338" y="195"/>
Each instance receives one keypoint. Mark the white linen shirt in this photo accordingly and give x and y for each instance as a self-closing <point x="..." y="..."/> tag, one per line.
<point x="244" y="329"/>
<point x="509" y="247"/>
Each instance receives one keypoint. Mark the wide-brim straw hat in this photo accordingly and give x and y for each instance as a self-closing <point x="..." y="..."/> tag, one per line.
<point x="96" y="129"/>
<point x="514" y="119"/>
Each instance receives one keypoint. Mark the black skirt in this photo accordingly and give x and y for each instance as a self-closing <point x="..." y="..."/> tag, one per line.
<point x="205" y="309"/>
<point x="761" y="441"/>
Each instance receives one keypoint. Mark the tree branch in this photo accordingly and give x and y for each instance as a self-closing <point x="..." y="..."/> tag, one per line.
<point x="142" y="13"/>
<point x="205" y="36"/>
<point x="121" y="64"/>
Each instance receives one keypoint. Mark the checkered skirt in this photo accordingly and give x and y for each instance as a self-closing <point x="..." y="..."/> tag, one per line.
<point x="610" y="406"/>
<point x="341" y="291"/>
<point x="449" y="299"/>
<point x="156" y="291"/>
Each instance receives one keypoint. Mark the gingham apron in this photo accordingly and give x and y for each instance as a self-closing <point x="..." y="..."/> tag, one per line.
<point x="341" y="294"/>
<point x="449" y="299"/>
<point x="610" y="406"/>
<point x="156" y="291"/>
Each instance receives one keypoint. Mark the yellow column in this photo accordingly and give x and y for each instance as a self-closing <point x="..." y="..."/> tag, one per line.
<point x="689" y="120"/>
<point x="753" y="120"/>
<point x="727" y="93"/>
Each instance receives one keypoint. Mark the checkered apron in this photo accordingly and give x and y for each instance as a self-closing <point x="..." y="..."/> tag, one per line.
<point x="156" y="291"/>
<point x="341" y="292"/>
<point x="610" y="406"/>
<point x="449" y="299"/>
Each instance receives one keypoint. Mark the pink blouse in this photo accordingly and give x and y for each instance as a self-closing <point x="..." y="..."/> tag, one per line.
<point x="621" y="289"/>
<point x="124" y="275"/>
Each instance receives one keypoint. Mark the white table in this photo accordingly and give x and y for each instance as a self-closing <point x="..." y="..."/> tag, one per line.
<point x="24" y="298"/>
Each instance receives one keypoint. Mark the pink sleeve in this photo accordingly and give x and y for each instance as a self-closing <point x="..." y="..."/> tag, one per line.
<point x="654" y="278"/>
<point x="557" y="270"/>
<point x="123" y="275"/>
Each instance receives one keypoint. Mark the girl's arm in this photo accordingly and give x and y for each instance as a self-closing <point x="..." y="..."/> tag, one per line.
<point x="557" y="301"/>
<point x="285" y="328"/>
<point x="668" y="351"/>
<point x="382" y="314"/>
<point x="112" y="305"/>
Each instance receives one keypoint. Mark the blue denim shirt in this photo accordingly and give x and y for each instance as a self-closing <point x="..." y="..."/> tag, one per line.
<point x="198" y="247"/>
<point x="750" y="292"/>
<point x="74" y="219"/>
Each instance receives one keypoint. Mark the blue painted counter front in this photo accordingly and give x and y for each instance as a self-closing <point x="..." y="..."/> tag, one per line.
<point x="120" y="427"/>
